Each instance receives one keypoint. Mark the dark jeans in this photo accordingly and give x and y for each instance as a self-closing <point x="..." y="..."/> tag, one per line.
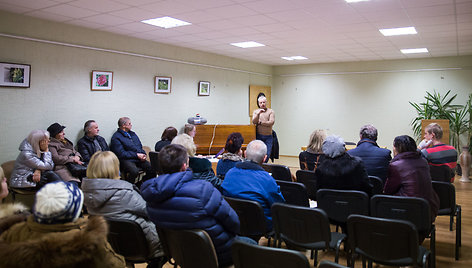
<point x="268" y="140"/>
<point x="131" y="169"/>
<point x="46" y="177"/>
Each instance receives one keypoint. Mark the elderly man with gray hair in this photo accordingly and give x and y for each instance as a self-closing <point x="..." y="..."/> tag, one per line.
<point x="376" y="159"/>
<point x="340" y="170"/>
<point x="248" y="180"/>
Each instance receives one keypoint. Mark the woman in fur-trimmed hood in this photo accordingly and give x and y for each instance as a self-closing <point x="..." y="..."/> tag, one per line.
<point x="55" y="236"/>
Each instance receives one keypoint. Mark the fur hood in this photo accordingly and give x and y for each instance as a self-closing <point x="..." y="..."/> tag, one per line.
<point x="10" y="209"/>
<point x="86" y="247"/>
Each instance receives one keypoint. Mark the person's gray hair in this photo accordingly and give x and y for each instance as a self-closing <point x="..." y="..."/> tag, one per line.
<point x="35" y="137"/>
<point x="187" y="142"/>
<point x="256" y="150"/>
<point x="87" y="125"/>
<point x="368" y="132"/>
<point x="122" y="121"/>
<point x="334" y="146"/>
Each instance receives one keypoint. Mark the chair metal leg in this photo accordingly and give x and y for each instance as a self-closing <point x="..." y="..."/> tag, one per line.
<point x="316" y="258"/>
<point x="432" y="246"/>
<point x="458" y="231"/>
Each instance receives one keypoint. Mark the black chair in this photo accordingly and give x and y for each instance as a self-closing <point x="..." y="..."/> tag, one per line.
<point x="189" y="248"/>
<point x="350" y="143"/>
<point x="308" y="178"/>
<point x="294" y="193"/>
<point x="279" y="172"/>
<point x="377" y="185"/>
<point x="448" y="207"/>
<point x="339" y="204"/>
<point x="251" y="218"/>
<point x="308" y="228"/>
<point x="127" y="238"/>
<point x="413" y="209"/>
<point x="329" y="264"/>
<point x="441" y="173"/>
<point x="250" y="256"/>
<point x="385" y="241"/>
<point x="154" y="159"/>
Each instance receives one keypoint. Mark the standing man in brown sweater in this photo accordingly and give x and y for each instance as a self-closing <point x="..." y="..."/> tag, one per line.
<point x="264" y="119"/>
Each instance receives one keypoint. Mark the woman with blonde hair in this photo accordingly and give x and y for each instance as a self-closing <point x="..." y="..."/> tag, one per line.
<point x="311" y="158"/>
<point x="106" y="195"/>
<point x="34" y="165"/>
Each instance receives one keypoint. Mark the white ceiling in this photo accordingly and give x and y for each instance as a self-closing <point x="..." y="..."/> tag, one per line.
<point x="321" y="30"/>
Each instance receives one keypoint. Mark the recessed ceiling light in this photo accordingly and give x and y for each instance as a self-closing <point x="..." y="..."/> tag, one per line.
<point x="354" y="1"/>
<point x="414" y="50"/>
<point x="166" y="22"/>
<point x="295" y="58"/>
<point x="248" y="44"/>
<point x="398" y="31"/>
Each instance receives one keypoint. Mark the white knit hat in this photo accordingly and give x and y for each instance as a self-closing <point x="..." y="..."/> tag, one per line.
<point x="58" y="202"/>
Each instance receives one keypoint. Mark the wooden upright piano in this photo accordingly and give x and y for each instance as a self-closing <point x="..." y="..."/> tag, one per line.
<point x="218" y="134"/>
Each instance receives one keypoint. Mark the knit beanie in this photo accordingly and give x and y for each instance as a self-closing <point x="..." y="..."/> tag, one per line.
<point x="58" y="202"/>
<point x="333" y="146"/>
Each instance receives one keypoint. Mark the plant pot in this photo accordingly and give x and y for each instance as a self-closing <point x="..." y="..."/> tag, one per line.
<point x="465" y="160"/>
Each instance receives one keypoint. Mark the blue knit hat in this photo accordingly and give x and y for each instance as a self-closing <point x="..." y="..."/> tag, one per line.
<point x="58" y="202"/>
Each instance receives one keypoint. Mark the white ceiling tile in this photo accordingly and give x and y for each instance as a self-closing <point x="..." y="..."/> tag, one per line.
<point x="98" y="6"/>
<point x="48" y="16"/>
<point x="252" y="20"/>
<point x="107" y="19"/>
<point x="70" y="11"/>
<point x="431" y="11"/>
<point x="86" y="24"/>
<point x="168" y="7"/>
<point x="136" y="14"/>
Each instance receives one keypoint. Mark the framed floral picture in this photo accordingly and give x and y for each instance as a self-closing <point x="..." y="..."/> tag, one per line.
<point x="15" y="75"/>
<point x="163" y="84"/>
<point x="203" y="88"/>
<point x="102" y="80"/>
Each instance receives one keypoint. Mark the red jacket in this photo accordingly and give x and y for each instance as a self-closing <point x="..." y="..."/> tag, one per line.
<point x="408" y="175"/>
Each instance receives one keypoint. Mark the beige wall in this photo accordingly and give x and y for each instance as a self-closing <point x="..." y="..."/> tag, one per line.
<point x="60" y="84"/>
<point x="342" y="97"/>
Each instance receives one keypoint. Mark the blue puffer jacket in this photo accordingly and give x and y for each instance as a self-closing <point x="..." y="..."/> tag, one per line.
<point x="126" y="148"/>
<point x="248" y="180"/>
<point x="376" y="159"/>
<point x="177" y="201"/>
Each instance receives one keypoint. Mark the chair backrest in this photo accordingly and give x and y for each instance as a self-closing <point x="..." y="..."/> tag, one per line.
<point x="377" y="185"/>
<point x="301" y="226"/>
<point x="441" y="173"/>
<point x="279" y="172"/>
<point x="384" y="241"/>
<point x="154" y="158"/>
<point x="189" y="248"/>
<point x="329" y="264"/>
<point x="8" y="169"/>
<point x="251" y="216"/>
<point x="147" y="149"/>
<point x="249" y="256"/>
<point x="447" y="197"/>
<point x="413" y="209"/>
<point x="308" y="178"/>
<point x="127" y="238"/>
<point x="294" y="193"/>
<point x="339" y="204"/>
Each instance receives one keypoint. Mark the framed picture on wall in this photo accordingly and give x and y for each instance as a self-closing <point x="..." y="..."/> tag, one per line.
<point x="102" y="80"/>
<point x="15" y="75"/>
<point x="203" y="88"/>
<point x="163" y="84"/>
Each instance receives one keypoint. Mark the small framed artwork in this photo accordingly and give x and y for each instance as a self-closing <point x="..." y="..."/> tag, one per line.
<point x="163" y="85"/>
<point x="15" y="75"/>
<point x="203" y="88"/>
<point x="102" y="80"/>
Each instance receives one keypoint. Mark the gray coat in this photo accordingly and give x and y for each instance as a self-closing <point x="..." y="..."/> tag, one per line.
<point x="118" y="199"/>
<point x="26" y="163"/>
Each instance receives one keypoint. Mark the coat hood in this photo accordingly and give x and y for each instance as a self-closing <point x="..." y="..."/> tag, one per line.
<point x="97" y="192"/>
<point x="163" y="187"/>
<point x="25" y="146"/>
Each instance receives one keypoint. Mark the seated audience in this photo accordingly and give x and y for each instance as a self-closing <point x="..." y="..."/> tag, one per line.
<point x="176" y="201"/>
<point x="166" y="138"/>
<point x="201" y="167"/>
<point x="232" y="156"/>
<point x="248" y="180"/>
<point x="340" y="170"/>
<point x="312" y="157"/>
<point x="91" y="142"/>
<point x="442" y="158"/>
<point x="129" y="150"/>
<point x="106" y="195"/>
<point x="15" y="212"/>
<point x="190" y="130"/>
<point x="66" y="158"/>
<point x="55" y="236"/>
<point x="408" y="174"/>
<point x="34" y="165"/>
<point x="375" y="159"/>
